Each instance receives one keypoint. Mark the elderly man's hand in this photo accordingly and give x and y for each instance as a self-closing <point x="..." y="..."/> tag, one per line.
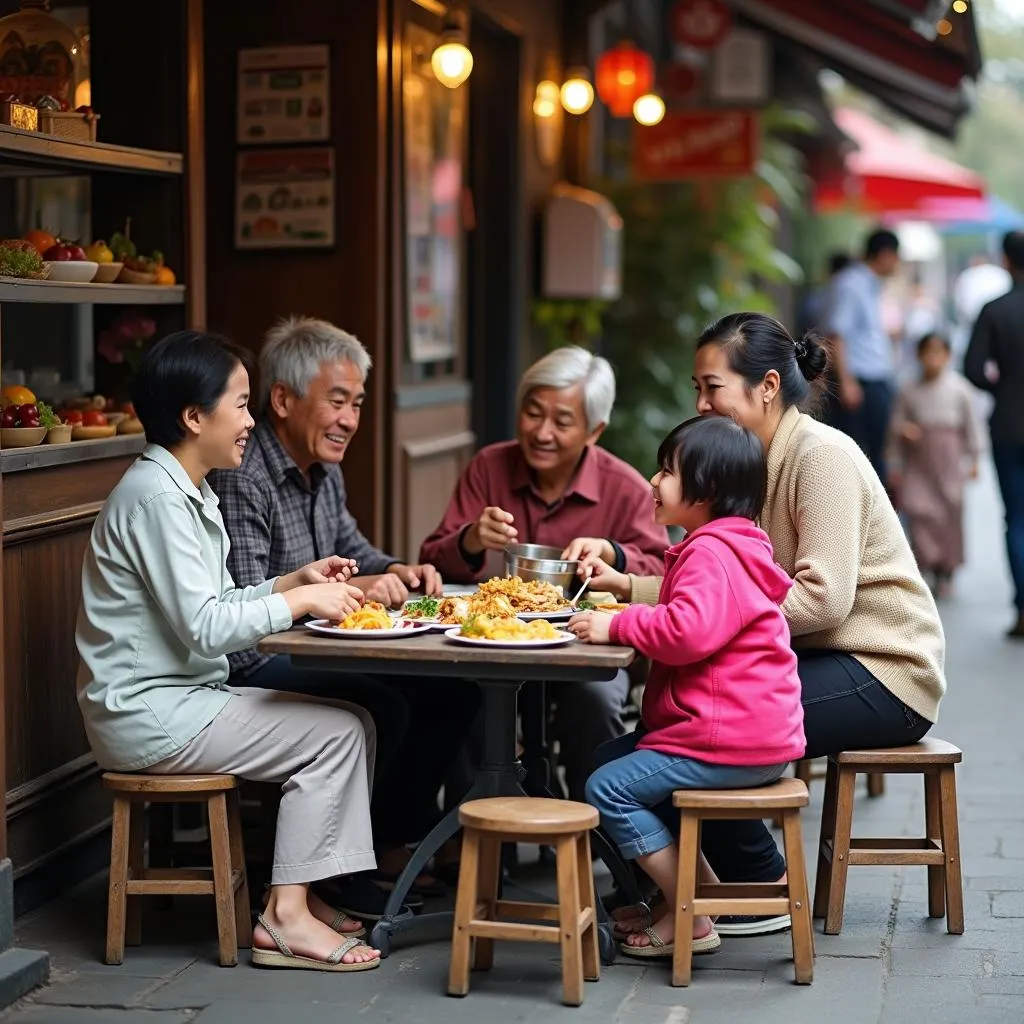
<point x="591" y="627"/>
<point x="587" y="549"/>
<point x="386" y="587"/>
<point x="491" y="532"/>
<point x="417" y="577"/>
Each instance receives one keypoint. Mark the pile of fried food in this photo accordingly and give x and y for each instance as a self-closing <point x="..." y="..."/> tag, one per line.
<point x="372" y="615"/>
<point x="484" y="627"/>
<point x="502" y="597"/>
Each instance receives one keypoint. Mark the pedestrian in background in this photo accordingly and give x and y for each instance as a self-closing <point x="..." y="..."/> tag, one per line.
<point x="934" y="443"/>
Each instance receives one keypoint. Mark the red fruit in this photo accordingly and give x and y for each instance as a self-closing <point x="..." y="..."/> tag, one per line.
<point x="77" y="252"/>
<point x="57" y="253"/>
<point x="28" y="411"/>
<point x="31" y="422"/>
<point x="128" y="409"/>
<point x="83" y="110"/>
<point x="9" y="417"/>
<point x="94" y="418"/>
<point x="72" y="416"/>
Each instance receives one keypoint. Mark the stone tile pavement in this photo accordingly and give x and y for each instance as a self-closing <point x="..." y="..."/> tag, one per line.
<point x="890" y="965"/>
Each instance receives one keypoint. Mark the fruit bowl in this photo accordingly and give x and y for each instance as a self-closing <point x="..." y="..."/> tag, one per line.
<point x="107" y="273"/>
<point x="135" y="277"/>
<point x="80" y="433"/>
<point x="21" y="437"/>
<point x="72" y="271"/>
<point x="59" y="435"/>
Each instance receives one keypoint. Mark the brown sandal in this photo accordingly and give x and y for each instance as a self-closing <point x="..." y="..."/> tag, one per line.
<point x="284" y="957"/>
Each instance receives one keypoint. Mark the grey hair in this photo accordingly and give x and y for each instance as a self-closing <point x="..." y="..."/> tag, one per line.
<point x="296" y="347"/>
<point x="567" y="367"/>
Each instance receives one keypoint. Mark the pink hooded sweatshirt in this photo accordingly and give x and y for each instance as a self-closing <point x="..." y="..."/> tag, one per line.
<point x="723" y="685"/>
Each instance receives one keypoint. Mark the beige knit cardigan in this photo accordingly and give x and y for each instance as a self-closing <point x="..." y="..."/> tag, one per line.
<point x="857" y="588"/>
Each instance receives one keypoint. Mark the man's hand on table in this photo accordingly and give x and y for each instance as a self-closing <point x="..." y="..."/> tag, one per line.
<point x="332" y="569"/>
<point x="391" y="588"/>
<point x="491" y="532"/>
<point x="591" y="627"/>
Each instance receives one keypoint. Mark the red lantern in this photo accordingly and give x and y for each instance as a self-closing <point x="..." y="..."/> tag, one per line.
<point x="624" y="74"/>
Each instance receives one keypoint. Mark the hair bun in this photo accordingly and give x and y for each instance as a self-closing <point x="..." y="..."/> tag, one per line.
<point x="811" y="356"/>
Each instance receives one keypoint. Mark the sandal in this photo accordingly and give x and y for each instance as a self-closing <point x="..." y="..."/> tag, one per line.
<point x="659" y="949"/>
<point x="646" y="910"/>
<point x="335" y="923"/>
<point x="284" y="957"/>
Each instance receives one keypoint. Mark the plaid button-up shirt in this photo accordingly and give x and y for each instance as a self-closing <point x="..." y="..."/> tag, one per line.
<point x="278" y="521"/>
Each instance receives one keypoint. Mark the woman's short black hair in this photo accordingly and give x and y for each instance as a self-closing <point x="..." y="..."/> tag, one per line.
<point x="183" y="369"/>
<point x="929" y="338"/>
<point x="755" y="343"/>
<point x="720" y="462"/>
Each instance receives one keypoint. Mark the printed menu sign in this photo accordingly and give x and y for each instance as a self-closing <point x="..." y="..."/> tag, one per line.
<point x="284" y="198"/>
<point x="283" y="94"/>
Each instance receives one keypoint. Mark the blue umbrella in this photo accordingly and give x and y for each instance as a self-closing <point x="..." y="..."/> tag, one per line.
<point x="991" y="216"/>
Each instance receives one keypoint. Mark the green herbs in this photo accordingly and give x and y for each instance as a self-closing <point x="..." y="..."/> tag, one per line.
<point x="585" y="606"/>
<point x="20" y="261"/>
<point x="47" y="417"/>
<point x="422" y="608"/>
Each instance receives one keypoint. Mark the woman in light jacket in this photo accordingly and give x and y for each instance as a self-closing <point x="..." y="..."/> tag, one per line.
<point x="159" y="616"/>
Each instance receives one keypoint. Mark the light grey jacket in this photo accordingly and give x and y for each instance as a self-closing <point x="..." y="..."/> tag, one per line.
<point x="160" y="614"/>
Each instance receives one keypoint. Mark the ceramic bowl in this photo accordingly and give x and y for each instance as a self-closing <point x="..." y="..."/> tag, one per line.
<point x="72" y="271"/>
<point x="21" y="437"/>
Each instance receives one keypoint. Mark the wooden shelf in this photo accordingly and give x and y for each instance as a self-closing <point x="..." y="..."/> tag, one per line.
<point x="95" y="294"/>
<point x="47" y="153"/>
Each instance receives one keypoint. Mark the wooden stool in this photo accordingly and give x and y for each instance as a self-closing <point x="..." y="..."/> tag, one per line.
<point x="805" y="772"/>
<point x="566" y="826"/>
<point x="225" y="880"/>
<point x="693" y="898"/>
<point x="939" y="849"/>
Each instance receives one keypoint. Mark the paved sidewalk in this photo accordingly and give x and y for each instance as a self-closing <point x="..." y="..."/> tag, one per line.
<point x="890" y="965"/>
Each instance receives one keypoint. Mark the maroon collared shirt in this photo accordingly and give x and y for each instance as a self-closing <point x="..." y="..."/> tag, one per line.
<point x="606" y="498"/>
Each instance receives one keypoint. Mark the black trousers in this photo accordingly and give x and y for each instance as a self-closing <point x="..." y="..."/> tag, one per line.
<point x="868" y="425"/>
<point x="421" y="727"/>
<point x="845" y="708"/>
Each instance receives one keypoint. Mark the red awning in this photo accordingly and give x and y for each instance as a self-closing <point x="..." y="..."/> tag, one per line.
<point x="888" y="172"/>
<point x="877" y="45"/>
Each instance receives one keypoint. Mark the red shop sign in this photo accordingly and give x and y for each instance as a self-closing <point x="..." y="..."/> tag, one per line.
<point x="696" y="144"/>
<point x="700" y="23"/>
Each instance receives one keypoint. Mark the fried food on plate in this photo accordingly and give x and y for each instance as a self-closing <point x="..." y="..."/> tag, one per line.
<point x="372" y="615"/>
<point x="483" y="627"/>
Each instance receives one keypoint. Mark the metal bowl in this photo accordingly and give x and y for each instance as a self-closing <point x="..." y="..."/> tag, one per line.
<point x="544" y="563"/>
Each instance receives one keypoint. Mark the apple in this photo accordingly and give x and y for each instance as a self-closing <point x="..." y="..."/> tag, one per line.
<point x="28" y="411"/>
<point x="94" y="418"/>
<point x="72" y="416"/>
<point x="9" y="417"/>
<point x="128" y="408"/>
<point x="77" y="253"/>
<point x="58" y="253"/>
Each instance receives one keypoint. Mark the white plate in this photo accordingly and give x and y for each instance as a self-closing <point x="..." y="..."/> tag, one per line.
<point x="563" y="615"/>
<point x="72" y="271"/>
<point x="455" y="634"/>
<point x="405" y="628"/>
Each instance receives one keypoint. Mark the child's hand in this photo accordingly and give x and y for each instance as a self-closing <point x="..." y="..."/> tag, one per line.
<point x="911" y="432"/>
<point x="604" y="577"/>
<point x="591" y="627"/>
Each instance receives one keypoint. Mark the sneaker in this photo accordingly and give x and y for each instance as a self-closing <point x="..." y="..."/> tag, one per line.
<point x="744" y="926"/>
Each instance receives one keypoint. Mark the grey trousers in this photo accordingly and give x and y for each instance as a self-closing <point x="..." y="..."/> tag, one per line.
<point x="321" y="751"/>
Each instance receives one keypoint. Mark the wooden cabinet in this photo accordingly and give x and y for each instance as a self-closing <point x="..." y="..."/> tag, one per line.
<point x="149" y="156"/>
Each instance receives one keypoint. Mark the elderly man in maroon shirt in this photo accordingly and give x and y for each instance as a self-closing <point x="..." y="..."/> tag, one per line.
<point x="554" y="485"/>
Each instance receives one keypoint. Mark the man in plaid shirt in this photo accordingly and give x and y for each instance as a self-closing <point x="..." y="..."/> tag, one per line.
<point x="288" y="499"/>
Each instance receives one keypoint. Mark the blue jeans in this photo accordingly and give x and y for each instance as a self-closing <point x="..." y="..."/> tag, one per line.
<point x="631" y="783"/>
<point x="1009" y="460"/>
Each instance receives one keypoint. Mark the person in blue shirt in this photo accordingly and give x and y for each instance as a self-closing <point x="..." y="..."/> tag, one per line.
<point x="863" y="357"/>
<point x="159" y="616"/>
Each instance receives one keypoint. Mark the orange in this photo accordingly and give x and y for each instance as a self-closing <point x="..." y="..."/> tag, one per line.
<point x="17" y="394"/>
<point x="164" y="275"/>
<point x="42" y="240"/>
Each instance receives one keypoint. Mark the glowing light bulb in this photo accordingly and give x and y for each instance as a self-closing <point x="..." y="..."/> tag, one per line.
<point x="451" y="60"/>
<point x="577" y="93"/>
<point x="649" y="109"/>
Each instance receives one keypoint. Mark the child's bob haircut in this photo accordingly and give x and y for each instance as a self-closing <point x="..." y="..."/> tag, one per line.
<point x="719" y="462"/>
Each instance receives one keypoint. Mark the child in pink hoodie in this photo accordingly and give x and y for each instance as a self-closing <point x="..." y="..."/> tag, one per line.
<point x="721" y="708"/>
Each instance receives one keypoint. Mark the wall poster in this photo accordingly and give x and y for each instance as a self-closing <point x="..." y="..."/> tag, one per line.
<point x="284" y="94"/>
<point x="284" y="198"/>
<point x="433" y="136"/>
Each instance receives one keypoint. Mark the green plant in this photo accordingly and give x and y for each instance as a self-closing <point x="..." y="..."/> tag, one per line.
<point x="568" y="321"/>
<point x="692" y="252"/>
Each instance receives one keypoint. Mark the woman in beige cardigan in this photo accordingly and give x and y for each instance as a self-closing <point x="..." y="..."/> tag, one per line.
<point x="863" y="622"/>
